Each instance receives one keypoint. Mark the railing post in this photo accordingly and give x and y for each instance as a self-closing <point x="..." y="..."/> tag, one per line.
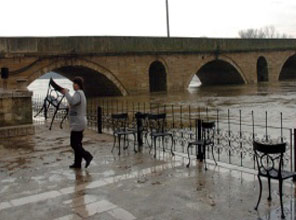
<point x="240" y="136"/>
<point x="229" y="138"/>
<point x="99" y="119"/>
<point x="139" y="129"/>
<point x="181" y="115"/>
<point x="253" y="130"/>
<point x="282" y="139"/>
<point x="218" y="133"/>
<point x="173" y="116"/>
<point x="198" y="126"/>
<point x="190" y="125"/>
<point x="266" y="126"/>
<point x="294" y="148"/>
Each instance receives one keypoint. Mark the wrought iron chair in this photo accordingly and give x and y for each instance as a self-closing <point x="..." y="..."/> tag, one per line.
<point x="120" y="128"/>
<point x="270" y="163"/>
<point x="207" y="139"/>
<point x="54" y="98"/>
<point x="156" y="123"/>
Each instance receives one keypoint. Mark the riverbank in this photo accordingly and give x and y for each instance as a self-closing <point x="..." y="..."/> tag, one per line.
<point x="36" y="183"/>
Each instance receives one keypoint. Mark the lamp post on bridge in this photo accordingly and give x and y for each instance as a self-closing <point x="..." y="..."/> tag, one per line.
<point x="167" y="18"/>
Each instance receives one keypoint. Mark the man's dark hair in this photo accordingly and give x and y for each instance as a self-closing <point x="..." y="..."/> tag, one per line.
<point x="79" y="81"/>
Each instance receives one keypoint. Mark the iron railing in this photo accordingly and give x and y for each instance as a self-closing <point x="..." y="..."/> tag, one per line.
<point x="234" y="134"/>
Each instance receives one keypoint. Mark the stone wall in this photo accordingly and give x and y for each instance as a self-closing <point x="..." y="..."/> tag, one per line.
<point x="15" y="113"/>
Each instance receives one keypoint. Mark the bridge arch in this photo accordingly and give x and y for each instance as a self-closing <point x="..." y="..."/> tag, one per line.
<point x="157" y="77"/>
<point x="288" y="69"/>
<point x="262" y="70"/>
<point x="93" y="72"/>
<point x="217" y="71"/>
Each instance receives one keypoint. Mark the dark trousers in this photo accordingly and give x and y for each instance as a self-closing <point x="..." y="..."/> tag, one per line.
<point x="76" y="143"/>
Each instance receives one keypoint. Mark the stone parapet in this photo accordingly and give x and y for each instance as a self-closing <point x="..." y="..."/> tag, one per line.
<point x="38" y="46"/>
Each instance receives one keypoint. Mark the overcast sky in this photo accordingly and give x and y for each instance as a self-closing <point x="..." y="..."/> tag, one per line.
<point x="188" y="18"/>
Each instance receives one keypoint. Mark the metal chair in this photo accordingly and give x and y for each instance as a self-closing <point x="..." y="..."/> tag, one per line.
<point x="207" y="139"/>
<point x="54" y="98"/>
<point x="270" y="162"/>
<point x="120" y="128"/>
<point x="156" y="123"/>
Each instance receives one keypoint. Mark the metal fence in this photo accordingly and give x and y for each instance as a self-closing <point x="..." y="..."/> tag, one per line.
<point x="234" y="133"/>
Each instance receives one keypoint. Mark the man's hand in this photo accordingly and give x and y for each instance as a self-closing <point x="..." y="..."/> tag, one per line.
<point x="64" y="91"/>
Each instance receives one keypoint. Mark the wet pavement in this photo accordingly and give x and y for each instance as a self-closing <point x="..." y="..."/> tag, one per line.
<point x="36" y="183"/>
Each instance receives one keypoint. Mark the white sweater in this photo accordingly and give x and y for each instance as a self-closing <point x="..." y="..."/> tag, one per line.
<point x="77" y="111"/>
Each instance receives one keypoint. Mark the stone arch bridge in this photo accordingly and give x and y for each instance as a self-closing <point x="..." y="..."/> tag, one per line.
<point x="114" y="66"/>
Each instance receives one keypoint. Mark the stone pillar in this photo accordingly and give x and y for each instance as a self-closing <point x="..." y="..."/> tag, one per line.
<point x="15" y="113"/>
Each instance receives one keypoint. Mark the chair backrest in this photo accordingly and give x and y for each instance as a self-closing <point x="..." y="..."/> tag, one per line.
<point x="143" y="117"/>
<point x="269" y="157"/>
<point x="208" y="124"/>
<point x="119" y="121"/>
<point x="157" y="122"/>
<point x="54" y="96"/>
<point x="208" y="130"/>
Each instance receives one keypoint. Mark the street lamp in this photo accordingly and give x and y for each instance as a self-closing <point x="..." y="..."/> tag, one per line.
<point x="167" y="17"/>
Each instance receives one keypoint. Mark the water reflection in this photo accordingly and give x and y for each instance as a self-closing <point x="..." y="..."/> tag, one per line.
<point x="80" y="198"/>
<point x="270" y="214"/>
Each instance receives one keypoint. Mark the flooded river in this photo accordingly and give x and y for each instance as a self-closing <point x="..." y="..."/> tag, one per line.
<point x="275" y="98"/>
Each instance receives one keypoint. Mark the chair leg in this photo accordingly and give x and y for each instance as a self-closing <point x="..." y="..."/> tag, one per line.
<point x="146" y="139"/>
<point x="204" y="156"/>
<point x="269" y="190"/>
<point x="125" y="140"/>
<point x="39" y="111"/>
<point x="114" y="142"/>
<point x="135" y="143"/>
<point x="196" y="152"/>
<point x="154" y="147"/>
<point x="162" y="139"/>
<point x="119" y="138"/>
<point x="281" y="197"/>
<point x="260" y="192"/>
<point x="46" y="109"/>
<point x="172" y="145"/>
<point x="55" y="112"/>
<point x="151" y="145"/>
<point x="213" y="155"/>
<point x="188" y="155"/>
<point x="61" y="123"/>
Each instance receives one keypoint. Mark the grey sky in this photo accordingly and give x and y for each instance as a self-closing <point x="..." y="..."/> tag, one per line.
<point x="188" y="18"/>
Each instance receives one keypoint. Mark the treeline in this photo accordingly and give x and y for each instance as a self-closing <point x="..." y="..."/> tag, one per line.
<point x="264" y="32"/>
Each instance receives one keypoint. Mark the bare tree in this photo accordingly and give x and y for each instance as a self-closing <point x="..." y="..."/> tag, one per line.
<point x="264" y="32"/>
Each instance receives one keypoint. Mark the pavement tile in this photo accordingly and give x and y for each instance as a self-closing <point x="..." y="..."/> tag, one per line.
<point x="94" y="208"/>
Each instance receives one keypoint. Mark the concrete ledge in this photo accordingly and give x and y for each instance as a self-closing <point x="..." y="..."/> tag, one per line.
<point x="21" y="130"/>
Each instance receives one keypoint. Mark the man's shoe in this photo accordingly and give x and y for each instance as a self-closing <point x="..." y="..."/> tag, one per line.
<point x="74" y="166"/>
<point x="88" y="160"/>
